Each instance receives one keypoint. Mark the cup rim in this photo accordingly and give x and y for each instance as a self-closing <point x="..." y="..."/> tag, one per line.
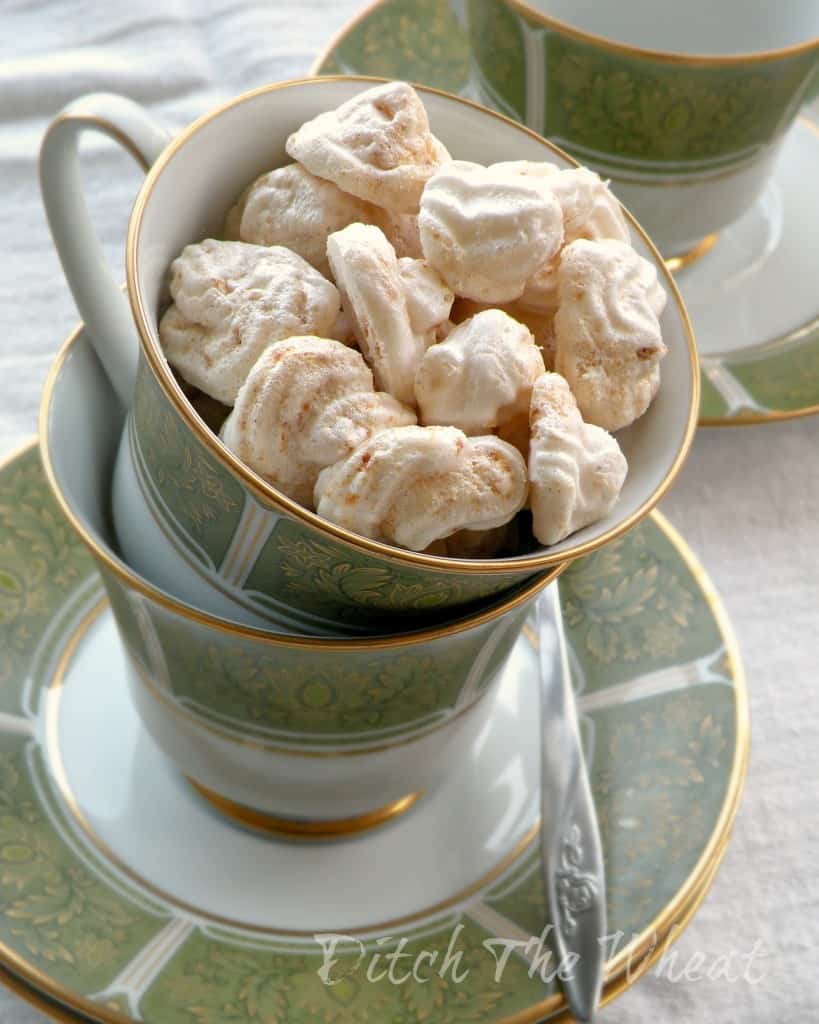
<point x="662" y="56"/>
<point x="134" y="581"/>
<point x="270" y="496"/>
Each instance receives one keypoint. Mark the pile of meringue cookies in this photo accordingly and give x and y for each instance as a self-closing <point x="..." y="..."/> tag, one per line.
<point x="418" y="348"/>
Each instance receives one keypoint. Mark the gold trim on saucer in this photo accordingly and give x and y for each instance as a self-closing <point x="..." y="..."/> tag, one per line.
<point x="742" y="723"/>
<point x="721" y="828"/>
<point x="39" y="1000"/>
<point x="660" y="943"/>
<point x="696" y="252"/>
<point x="57" y="768"/>
<point x="341" y="33"/>
<point x="298" y="828"/>
<point x="17" y="452"/>
<point x="751" y="419"/>
<point x="644" y="951"/>
<point x="756" y="419"/>
<point x="268" y="495"/>
<point x="619" y="975"/>
<point x="637" y="964"/>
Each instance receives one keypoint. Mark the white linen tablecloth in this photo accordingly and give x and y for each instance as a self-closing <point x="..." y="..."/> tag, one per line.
<point x="746" y="501"/>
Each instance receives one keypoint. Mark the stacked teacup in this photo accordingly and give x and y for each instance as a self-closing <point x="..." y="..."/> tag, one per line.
<point x="305" y="678"/>
<point x="684" y="107"/>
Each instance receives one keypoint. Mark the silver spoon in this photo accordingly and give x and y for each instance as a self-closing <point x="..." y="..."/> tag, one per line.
<point x="571" y="854"/>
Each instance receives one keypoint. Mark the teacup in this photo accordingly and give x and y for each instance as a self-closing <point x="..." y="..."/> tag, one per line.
<point x="188" y="514"/>
<point x="682" y="105"/>
<point x="299" y="735"/>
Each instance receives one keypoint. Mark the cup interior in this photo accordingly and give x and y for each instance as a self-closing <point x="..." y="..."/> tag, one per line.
<point x="82" y="427"/>
<point x="192" y="186"/>
<point x="699" y="27"/>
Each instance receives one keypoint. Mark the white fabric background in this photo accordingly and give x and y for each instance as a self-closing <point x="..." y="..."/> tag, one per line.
<point x="747" y="500"/>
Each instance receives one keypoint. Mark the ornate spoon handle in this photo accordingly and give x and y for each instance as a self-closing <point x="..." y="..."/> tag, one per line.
<point x="571" y="853"/>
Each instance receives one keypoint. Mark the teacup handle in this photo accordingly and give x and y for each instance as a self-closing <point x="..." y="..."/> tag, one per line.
<point x="99" y="298"/>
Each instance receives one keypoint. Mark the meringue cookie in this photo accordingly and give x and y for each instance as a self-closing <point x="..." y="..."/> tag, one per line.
<point x="540" y="292"/>
<point x="609" y="342"/>
<point x="541" y="324"/>
<point x="376" y="146"/>
<point x="292" y="207"/>
<point x="428" y="299"/>
<point x="351" y="420"/>
<point x="532" y="168"/>
<point x="401" y="231"/>
<point x="589" y="208"/>
<point x="412" y="486"/>
<point x="368" y="277"/>
<point x="487" y="231"/>
<point x="306" y="404"/>
<point x="342" y="330"/>
<point x="589" y="211"/>
<point x="231" y="300"/>
<point x="576" y="470"/>
<point x="481" y="376"/>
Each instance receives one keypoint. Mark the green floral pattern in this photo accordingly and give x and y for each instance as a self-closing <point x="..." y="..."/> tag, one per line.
<point x="213" y="985"/>
<point x="664" y="117"/>
<point x="338" y="582"/>
<point x="204" y="500"/>
<point x="635" y="112"/>
<point x="631" y="610"/>
<point x="56" y="911"/>
<point x="425" y="43"/>
<point x="309" y="695"/>
<point x="660" y="775"/>
<point x="656" y="783"/>
<point x="329" y="697"/>
<point x="322" y="577"/>
<point x="781" y="379"/>
<point x="41" y="559"/>
<point x="497" y="56"/>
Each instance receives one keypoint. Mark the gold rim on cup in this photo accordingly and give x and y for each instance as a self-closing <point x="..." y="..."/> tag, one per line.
<point x="162" y="598"/>
<point x="661" y="56"/>
<point x="268" y="494"/>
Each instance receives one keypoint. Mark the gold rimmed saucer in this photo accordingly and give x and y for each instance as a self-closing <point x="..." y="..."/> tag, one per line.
<point x="125" y="919"/>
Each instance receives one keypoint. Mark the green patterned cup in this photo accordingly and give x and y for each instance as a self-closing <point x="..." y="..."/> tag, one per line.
<point x="302" y="735"/>
<point x="681" y="103"/>
<point x="189" y="515"/>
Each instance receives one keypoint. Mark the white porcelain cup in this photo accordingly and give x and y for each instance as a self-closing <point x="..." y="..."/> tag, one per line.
<point x="306" y="736"/>
<point x="189" y="515"/>
<point x="683" y="104"/>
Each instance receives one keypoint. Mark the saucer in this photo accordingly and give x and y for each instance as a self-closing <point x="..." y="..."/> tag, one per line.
<point x="124" y="896"/>
<point x="752" y="298"/>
